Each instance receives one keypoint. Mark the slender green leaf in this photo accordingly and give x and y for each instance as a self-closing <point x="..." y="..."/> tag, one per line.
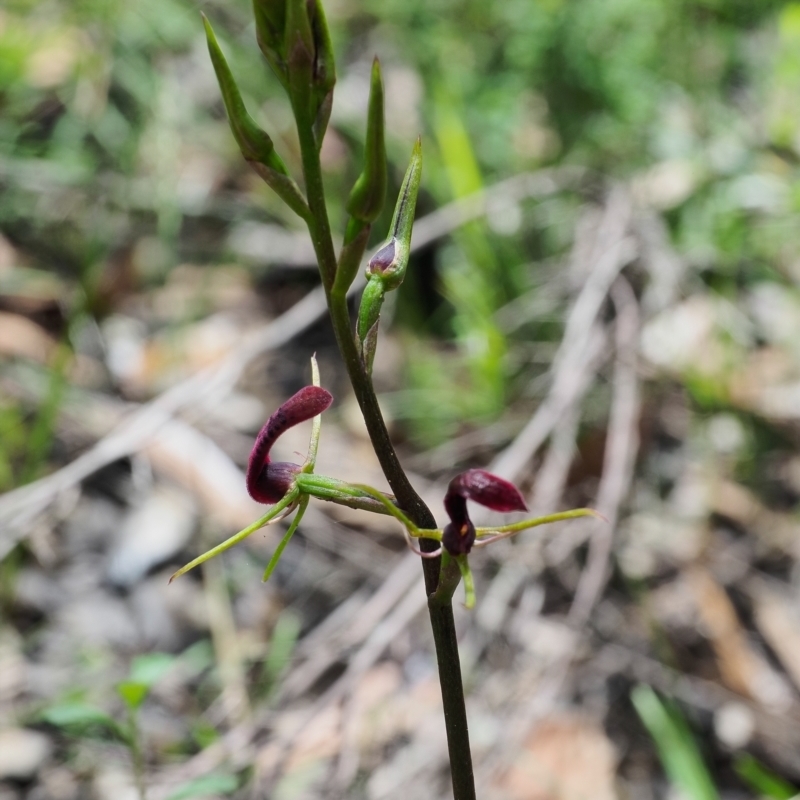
<point x="676" y="746"/>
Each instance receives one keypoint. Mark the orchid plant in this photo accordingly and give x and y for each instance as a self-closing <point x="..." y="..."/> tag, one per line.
<point x="293" y="36"/>
<point x="287" y="487"/>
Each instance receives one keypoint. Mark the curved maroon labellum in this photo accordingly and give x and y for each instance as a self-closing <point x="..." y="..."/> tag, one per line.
<point x="268" y="482"/>
<point x="496" y="493"/>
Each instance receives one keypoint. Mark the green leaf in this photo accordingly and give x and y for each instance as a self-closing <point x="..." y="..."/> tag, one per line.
<point x="148" y="669"/>
<point x="82" y="719"/>
<point x="215" y="783"/>
<point x="763" y="780"/>
<point x="132" y="693"/>
<point x="281" y="645"/>
<point x="676" y="746"/>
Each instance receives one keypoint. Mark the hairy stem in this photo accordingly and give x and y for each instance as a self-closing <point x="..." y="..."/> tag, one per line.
<point x="441" y="614"/>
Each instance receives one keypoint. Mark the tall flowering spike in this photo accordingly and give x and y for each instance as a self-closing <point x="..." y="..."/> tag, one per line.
<point x="496" y="493"/>
<point x="268" y="482"/>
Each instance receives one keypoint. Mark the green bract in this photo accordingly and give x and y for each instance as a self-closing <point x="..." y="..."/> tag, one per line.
<point x="369" y="193"/>
<point x="256" y="145"/>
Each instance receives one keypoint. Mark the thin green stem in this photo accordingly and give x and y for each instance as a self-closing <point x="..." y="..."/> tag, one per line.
<point x="137" y="756"/>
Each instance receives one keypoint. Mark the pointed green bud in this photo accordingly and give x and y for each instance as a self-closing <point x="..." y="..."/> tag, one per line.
<point x="369" y="193"/>
<point x="256" y="145"/>
<point x="390" y="262"/>
<point x="369" y="313"/>
<point x="299" y="47"/>
<point x="324" y="77"/>
<point x="270" y="16"/>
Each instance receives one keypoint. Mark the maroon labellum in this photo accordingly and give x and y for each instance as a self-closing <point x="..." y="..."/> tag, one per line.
<point x="268" y="482"/>
<point x="496" y="493"/>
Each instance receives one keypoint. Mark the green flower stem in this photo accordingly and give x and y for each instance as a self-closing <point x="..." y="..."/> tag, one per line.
<point x="449" y="578"/>
<point x="355" y="243"/>
<point x="441" y="614"/>
<point x="318" y="224"/>
<point x="271" y="516"/>
<point x="339" y="492"/>
<point x="276" y="556"/>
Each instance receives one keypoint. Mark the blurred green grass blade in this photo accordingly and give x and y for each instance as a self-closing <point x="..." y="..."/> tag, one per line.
<point x="42" y="432"/>
<point x="82" y="719"/>
<point x="132" y="693"/>
<point x="676" y="746"/>
<point x="763" y="780"/>
<point x="281" y="646"/>
<point x="149" y="668"/>
<point x="208" y="785"/>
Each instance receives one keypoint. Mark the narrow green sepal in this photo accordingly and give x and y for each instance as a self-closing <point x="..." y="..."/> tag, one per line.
<point x="369" y="193"/>
<point x="273" y="515"/>
<point x="255" y="144"/>
<point x="390" y="262"/>
<point x="316" y="426"/>
<point x="469" y="582"/>
<point x="276" y="556"/>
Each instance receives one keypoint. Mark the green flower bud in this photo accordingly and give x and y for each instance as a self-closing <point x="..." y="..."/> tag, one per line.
<point x="369" y="193"/>
<point x="256" y="145"/>
<point x="270" y="16"/>
<point x="324" y="75"/>
<point x="390" y="262"/>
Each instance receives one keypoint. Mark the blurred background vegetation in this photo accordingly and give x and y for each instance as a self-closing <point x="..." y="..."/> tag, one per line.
<point x="117" y="164"/>
<point x="127" y="215"/>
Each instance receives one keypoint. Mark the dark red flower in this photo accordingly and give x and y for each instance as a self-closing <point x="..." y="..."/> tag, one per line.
<point x="268" y="482"/>
<point x="496" y="493"/>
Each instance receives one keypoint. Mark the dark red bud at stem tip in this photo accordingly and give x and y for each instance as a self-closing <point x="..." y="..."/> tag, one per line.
<point x="267" y="482"/>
